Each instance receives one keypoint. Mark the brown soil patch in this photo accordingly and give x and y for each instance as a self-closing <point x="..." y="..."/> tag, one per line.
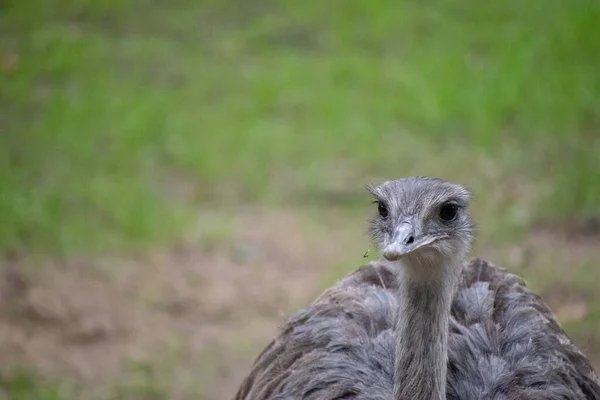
<point x="194" y="319"/>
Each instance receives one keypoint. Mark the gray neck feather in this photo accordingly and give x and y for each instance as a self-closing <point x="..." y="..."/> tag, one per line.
<point x="425" y="297"/>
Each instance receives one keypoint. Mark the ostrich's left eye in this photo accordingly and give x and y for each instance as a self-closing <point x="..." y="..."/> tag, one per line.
<point x="448" y="211"/>
<point x="382" y="209"/>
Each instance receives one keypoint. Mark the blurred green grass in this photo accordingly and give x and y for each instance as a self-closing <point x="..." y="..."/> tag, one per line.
<point x="25" y="385"/>
<point x="120" y="118"/>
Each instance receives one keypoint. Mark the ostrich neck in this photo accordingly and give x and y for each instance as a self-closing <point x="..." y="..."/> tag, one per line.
<point x="422" y="332"/>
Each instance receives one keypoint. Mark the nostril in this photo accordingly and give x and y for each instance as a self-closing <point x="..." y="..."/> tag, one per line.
<point x="410" y="240"/>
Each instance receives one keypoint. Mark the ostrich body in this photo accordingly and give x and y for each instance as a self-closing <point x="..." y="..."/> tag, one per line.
<point x="422" y="323"/>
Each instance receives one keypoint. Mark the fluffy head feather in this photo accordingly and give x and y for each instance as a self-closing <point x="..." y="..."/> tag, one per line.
<point x="423" y="221"/>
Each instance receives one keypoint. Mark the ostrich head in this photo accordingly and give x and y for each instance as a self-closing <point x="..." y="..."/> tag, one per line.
<point x="422" y="223"/>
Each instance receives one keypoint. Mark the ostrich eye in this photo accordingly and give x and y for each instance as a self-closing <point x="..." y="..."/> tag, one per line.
<point x="381" y="208"/>
<point x="448" y="211"/>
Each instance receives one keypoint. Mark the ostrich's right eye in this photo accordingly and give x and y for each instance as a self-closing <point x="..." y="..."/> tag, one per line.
<point x="448" y="211"/>
<point x="382" y="209"/>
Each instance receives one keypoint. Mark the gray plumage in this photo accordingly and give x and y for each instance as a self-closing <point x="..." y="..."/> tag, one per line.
<point x="420" y="324"/>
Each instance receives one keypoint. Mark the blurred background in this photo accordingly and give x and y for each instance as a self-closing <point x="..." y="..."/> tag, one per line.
<point x="176" y="177"/>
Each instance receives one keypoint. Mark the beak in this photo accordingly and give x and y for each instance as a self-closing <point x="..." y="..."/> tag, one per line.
<point x="404" y="242"/>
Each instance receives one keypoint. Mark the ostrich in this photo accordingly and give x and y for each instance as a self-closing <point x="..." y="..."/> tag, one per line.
<point x="422" y="323"/>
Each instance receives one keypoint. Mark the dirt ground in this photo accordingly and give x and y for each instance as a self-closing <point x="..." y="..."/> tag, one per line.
<point x="188" y="320"/>
<point x="187" y="323"/>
